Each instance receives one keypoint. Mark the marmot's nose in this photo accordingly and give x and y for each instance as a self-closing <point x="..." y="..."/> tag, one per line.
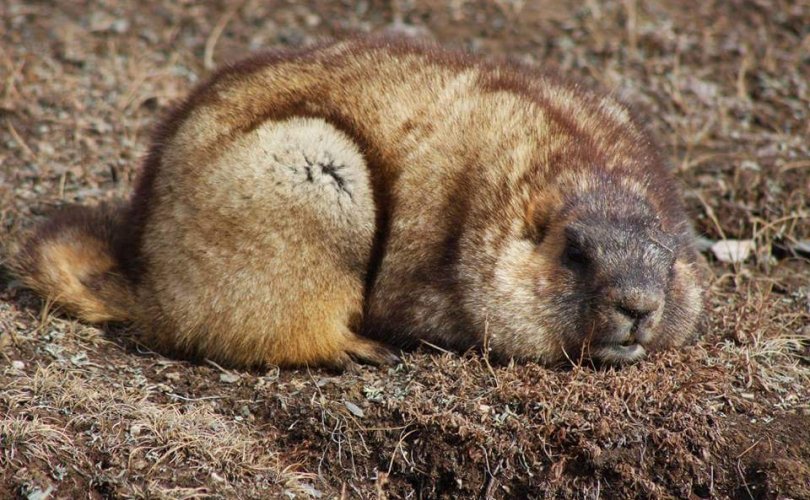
<point x="637" y="303"/>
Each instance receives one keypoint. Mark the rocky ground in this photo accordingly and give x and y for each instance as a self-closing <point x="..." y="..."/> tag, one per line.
<point x="92" y="413"/>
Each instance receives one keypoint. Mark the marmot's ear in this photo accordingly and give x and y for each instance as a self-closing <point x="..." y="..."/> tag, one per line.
<point x="537" y="216"/>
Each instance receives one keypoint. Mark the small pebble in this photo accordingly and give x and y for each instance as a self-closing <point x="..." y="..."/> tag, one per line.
<point x="354" y="409"/>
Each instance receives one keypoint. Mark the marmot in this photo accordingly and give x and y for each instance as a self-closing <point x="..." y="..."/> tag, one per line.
<point x="312" y="207"/>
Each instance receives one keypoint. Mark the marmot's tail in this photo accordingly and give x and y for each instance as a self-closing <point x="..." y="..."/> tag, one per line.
<point x="71" y="260"/>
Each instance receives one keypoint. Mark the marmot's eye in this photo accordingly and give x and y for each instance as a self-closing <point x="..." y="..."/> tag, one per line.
<point x="575" y="255"/>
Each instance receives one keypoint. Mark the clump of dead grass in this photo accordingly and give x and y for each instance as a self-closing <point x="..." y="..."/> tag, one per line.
<point x="32" y="438"/>
<point x="129" y="430"/>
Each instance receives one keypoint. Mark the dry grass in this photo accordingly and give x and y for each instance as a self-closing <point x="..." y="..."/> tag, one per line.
<point x="61" y="410"/>
<point x="726" y="87"/>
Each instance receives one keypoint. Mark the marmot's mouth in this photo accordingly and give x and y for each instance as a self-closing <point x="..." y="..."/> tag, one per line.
<point x="626" y="352"/>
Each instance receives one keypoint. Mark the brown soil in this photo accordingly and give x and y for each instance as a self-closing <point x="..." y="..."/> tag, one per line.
<point x="91" y="413"/>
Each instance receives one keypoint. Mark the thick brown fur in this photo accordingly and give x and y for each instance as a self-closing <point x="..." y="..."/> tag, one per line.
<point x="296" y="201"/>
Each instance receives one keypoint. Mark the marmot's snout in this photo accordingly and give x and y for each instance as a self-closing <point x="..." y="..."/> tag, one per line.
<point x="636" y="309"/>
<point x="632" y="317"/>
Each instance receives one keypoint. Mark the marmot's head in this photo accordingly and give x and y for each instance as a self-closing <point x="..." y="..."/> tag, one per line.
<point x="605" y="270"/>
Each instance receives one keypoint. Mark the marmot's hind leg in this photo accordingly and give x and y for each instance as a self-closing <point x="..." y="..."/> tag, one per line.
<point x="262" y="260"/>
<point x="357" y="349"/>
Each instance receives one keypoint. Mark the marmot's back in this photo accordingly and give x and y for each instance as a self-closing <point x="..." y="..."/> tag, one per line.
<point x="409" y="193"/>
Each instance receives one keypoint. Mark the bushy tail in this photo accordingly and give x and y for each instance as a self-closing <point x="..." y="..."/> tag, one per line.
<point x="71" y="260"/>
